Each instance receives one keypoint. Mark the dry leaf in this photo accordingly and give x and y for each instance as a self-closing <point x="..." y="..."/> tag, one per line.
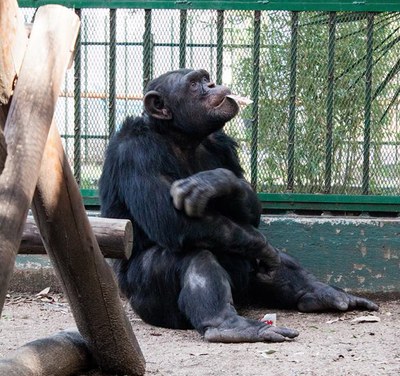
<point x="366" y="319"/>
<point x="43" y="292"/>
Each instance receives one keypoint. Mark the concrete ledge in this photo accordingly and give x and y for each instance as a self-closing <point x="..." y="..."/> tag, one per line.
<point x="356" y="253"/>
<point x="34" y="280"/>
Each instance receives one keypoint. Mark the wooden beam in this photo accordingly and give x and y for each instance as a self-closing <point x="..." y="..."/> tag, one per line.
<point x="13" y="43"/>
<point x="63" y="354"/>
<point x="114" y="236"/>
<point x="60" y="214"/>
<point x="3" y="148"/>
<point x="87" y="278"/>
<point x="27" y="125"/>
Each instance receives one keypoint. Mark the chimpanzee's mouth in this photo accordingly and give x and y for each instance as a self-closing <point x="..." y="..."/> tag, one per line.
<point x="224" y="101"/>
<point x="232" y="98"/>
<point x="241" y="101"/>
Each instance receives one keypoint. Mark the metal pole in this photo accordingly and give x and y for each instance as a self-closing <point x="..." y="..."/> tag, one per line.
<point x="77" y="106"/>
<point x="292" y="100"/>
<point x="367" y="104"/>
<point x="113" y="69"/>
<point x="329" y="102"/>
<point x="255" y="95"/>
<point x="220" y="43"/>
<point x="147" y="48"/>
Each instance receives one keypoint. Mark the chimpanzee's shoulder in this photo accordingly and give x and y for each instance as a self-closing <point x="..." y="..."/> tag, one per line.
<point x="138" y="146"/>
<point x="133" y="126"/>
<point x="137" y="133"/>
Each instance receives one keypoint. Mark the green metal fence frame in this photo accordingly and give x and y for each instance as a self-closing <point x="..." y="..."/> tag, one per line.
<point x="283" y="201"/>
<point x="295" y="5"/>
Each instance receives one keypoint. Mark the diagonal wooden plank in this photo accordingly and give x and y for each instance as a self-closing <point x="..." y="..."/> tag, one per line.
<point x="59" y="211"/>
<point x="72" y="247"/>
<point x="26" y="129"/>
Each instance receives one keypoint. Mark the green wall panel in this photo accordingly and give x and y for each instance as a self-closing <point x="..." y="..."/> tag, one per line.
<point x="354" y="253"/>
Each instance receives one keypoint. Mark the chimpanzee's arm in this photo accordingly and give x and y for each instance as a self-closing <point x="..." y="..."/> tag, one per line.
<point x="144" y="187"/>
<point x="219" y="190"/>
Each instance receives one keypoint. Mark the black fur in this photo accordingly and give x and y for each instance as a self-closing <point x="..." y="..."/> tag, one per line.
<point x="176" y="175"/>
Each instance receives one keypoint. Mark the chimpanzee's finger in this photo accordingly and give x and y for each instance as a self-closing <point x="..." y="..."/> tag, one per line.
<point x="357" y="302"/>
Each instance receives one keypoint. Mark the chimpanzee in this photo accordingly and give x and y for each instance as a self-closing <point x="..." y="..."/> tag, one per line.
<point x="197" y="251"/>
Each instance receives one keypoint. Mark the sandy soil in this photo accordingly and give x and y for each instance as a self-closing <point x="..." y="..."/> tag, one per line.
<point x="329" y="344"/>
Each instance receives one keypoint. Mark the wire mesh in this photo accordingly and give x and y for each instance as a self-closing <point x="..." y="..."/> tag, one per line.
<point x="325" y="87"/>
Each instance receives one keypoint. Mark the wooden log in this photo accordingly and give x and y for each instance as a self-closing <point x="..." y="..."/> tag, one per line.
<point x="27" y="125"/>
<point x="114" y="236"/>
<point x="63" y="354"/>
<point x="12" y="49"/>
<point x="87" y="279"/>
<point x="86" y="276"/>
<point x="3" y="148"/>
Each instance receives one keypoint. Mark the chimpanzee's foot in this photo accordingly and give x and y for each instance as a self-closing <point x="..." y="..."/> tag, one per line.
<point x="239" y="329"/>
<point x="322" y="297"/>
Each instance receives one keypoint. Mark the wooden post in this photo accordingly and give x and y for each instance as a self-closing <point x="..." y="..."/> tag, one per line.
<point x="63" y="354"/>
<point x="87" y="278"/>
<point x="3" y="147"/>
<point x="12" y="48"/>
<point x="57" y="206"/>
<point x="114" y="236"/>
<point x="13" y="42"/>
<point x="27" y="126"/>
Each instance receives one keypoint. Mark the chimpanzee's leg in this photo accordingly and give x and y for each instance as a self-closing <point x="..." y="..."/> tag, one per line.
<point x="151" y="282"/>
<point x="206" y="300"/>
<point x="294" y="287"/>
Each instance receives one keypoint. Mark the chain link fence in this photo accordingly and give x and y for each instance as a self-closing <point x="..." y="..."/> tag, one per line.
<point x="325" y="90"/>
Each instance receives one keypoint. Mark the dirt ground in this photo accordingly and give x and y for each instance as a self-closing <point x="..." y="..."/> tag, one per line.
<point x="329" y="344"/>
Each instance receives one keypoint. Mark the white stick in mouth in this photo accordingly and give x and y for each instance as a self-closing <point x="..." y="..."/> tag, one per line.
<point x="241" y="101"/>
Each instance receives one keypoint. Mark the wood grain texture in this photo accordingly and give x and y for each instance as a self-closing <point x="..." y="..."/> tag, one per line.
<point x="63" y="354"/>
<point x="28" y="122"/>
<point x="114" y="236"/>
<point x="87" y="278"/>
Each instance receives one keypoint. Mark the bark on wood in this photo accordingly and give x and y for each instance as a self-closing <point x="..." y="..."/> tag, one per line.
<point x="114" y="236"/>
<point x="12" y="48"/>
<point x="63" y="354"/>
<point x="87" y="278"/>
<point x="3" y="149"/>
<point x="28" y="121"/>
<point x="73" y="249"/>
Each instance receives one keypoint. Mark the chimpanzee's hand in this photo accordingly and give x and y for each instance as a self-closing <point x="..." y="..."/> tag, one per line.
<point x="322" y="297"/>
<point x="193" y="193"/>
<point x="270" y="261"/>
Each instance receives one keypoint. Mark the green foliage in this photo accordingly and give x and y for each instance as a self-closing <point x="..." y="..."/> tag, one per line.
<point x="312" y="95"/>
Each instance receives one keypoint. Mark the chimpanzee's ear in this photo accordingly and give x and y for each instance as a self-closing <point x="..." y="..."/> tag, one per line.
<point x="155" y="106"/>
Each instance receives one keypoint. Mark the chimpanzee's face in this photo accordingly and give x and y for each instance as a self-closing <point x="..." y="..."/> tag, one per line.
<point x="191" y="101"/>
